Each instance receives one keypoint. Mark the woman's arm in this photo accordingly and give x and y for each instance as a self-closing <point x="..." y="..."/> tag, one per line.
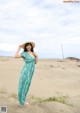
<point x="36" y="55"/>
<point x="17" y="55"/>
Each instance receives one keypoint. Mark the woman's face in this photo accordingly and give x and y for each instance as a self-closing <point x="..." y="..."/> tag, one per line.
<point x="28" y="47"/>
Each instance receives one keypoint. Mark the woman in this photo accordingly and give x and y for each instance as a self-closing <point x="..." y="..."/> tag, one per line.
<point x="30" y="58"/>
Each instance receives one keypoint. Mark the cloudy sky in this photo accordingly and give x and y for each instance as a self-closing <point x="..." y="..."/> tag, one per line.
<point x="49" y="23"/>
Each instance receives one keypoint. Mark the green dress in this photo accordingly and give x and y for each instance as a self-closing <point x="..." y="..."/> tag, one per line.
<point x="25" y="77"/>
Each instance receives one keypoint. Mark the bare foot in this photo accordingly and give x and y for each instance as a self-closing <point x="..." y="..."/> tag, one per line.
<point x="27" y="104"/>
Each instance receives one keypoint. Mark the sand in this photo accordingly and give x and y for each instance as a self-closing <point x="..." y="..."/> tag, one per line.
<point x="55" y="87"/>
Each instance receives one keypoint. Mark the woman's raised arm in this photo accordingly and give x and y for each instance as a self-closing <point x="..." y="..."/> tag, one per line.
<point x="17" y="55"/>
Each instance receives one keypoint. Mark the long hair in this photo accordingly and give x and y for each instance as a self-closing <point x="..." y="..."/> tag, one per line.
<point x="25" y="49"/>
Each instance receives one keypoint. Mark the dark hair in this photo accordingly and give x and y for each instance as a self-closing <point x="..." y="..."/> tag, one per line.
<point x="25" y="49"/>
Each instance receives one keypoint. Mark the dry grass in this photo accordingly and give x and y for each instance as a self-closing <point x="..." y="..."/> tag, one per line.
<point x="61" y="99"/>
<point x="3" y="90"/>
<point x="13" y="95"/>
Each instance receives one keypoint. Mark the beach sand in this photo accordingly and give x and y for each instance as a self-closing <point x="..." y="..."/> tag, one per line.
<point x="55" y="86"/>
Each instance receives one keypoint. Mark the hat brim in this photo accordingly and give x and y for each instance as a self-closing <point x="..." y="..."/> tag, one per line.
<point x="23" y="45"/>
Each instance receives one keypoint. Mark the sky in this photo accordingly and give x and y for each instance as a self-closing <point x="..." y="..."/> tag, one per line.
<point x="51" y="24"/>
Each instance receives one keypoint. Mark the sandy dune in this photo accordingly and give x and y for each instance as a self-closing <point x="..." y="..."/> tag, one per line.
<point x="55" y="86"/>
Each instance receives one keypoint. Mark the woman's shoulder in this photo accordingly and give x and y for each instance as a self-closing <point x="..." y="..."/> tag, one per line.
<point x="23" y="54"/>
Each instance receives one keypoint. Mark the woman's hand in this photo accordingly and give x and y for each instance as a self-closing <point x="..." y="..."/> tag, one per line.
<point x="19" y="46"/>
<point x="36" y="55"/>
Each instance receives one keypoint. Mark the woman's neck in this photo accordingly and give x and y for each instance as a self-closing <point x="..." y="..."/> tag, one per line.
<point x="29" y="51"/>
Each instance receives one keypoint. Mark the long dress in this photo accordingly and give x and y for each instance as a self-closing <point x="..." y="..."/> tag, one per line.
<point x="25" y="77"/>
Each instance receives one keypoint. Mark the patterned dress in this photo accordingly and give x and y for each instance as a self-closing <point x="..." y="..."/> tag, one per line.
<point x="25" y="77"/>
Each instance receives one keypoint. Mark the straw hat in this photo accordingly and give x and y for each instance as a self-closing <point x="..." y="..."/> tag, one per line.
<point x="23" y="45"/>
